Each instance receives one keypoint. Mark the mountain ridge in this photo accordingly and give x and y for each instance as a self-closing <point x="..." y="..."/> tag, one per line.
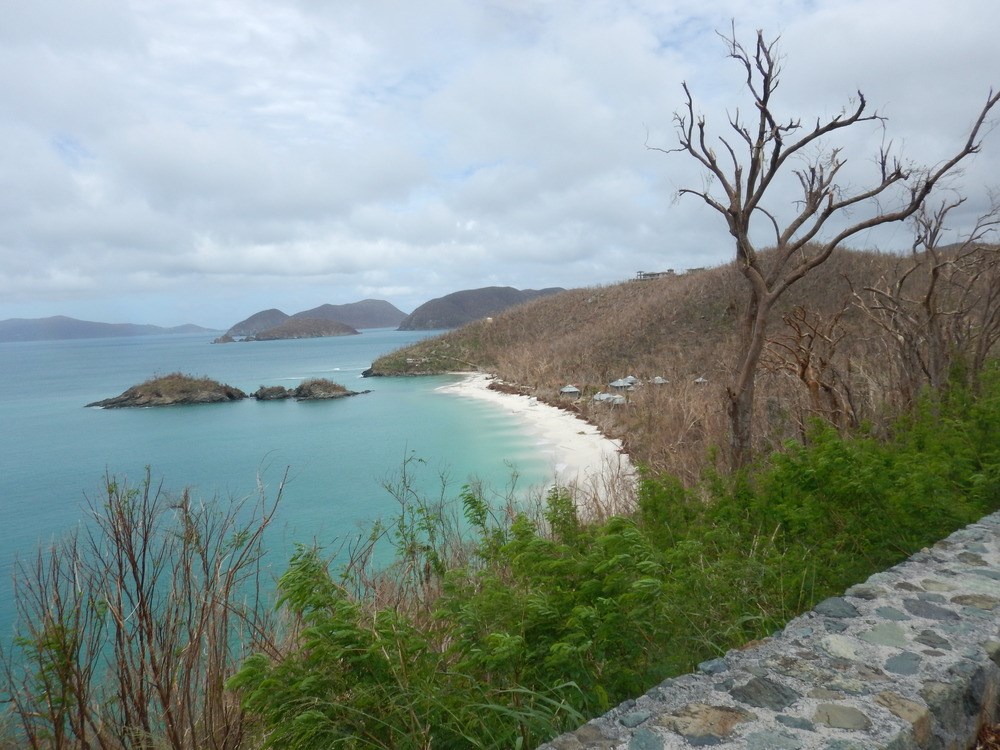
<point x="458" y="308"/>
<point x="367" y="313"/>
<point x="62" y="327"/>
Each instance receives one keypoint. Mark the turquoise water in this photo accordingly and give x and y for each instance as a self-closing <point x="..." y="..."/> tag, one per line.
<point x="337" y="453"/>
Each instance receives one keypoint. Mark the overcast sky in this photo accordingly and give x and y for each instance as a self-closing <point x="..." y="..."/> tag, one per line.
<point x="172" y="161"/>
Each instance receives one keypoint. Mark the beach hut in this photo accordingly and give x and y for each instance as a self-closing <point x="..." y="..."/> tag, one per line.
<point x="569" y="390"/>
<point x="659" y="381"/>
<point x="602" y="396"/>
<point x="700" y="380"/>
<point x="622" y="384"/>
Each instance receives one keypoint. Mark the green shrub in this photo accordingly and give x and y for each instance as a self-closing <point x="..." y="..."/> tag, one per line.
<point x="539" y="619"/>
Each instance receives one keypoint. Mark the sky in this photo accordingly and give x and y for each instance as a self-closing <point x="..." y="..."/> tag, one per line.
<point x="195" y="161"/>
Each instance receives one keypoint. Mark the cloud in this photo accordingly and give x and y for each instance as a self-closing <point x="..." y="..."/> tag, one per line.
<point x="250" y="152"/>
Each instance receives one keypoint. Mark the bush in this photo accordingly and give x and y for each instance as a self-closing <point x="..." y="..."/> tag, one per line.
<point x="499" y="631"/>
<point x="128" y="628"/>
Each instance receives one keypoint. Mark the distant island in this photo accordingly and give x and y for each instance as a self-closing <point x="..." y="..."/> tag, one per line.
<point x="178" y="389"/>
<point x="458" y="308"/>
<point x="60" y="327"/>
<point x="261" y="326"/>
<point x="450" y="311"/>
<point x="297" y="328"/>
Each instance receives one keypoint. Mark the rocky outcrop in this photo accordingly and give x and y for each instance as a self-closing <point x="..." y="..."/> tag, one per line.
<point x="173" y="390"/>
<point x="320" y="388"/>
<point x="271" y="393"/>
<point x="178" y="389"/>
<point x="315" y="389"/>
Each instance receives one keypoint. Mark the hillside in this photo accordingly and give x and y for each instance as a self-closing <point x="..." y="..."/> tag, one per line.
<point x="304" y="328"/>
<point x="680" y="329"/>
<point x="458" y="308"/>
<point x="61" y="327"/>
<point x="259" y="321"/>
<point x="368" y="313"/>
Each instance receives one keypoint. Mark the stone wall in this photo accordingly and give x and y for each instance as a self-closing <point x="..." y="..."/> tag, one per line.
<point x="908" y="659"/>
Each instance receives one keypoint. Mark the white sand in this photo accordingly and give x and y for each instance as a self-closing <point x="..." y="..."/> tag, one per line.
<point x="581" y="458"/>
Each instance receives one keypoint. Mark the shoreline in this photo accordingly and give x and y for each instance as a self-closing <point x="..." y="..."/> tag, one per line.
<point x="592" y="466"/>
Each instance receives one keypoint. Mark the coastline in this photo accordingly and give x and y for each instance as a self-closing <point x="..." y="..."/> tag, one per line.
<point x="581" y="458"/>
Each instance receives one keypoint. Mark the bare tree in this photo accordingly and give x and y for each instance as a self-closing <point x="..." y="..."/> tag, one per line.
<point x="759" y="150"/>
<point x="808" y="351"/>
<point x="129" y="627"/>
<point x="942" y="309"/>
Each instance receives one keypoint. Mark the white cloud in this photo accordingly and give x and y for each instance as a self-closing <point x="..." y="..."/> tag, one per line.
<point x="164" y="158"/>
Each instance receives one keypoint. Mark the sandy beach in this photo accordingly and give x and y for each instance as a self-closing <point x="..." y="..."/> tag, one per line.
<point x="581" y="458"/>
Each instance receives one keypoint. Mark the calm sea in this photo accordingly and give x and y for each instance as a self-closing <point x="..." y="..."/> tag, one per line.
<point x="53" y="451"/>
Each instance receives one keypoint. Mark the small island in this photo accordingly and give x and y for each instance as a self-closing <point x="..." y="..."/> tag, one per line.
<point x="173" y="389"/>
<point x="295" y="328"/>
<point x="315" y="389"/>
<point x="177" y="389"/>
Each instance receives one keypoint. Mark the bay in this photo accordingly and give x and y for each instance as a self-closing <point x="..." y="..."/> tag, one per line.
<point x="336" y="454"/>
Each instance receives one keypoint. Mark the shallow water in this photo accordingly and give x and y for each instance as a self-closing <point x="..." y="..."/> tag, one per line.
<point x="336" y="453"/>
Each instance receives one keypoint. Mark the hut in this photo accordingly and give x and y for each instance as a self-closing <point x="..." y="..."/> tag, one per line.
<point x="570" y="390"/>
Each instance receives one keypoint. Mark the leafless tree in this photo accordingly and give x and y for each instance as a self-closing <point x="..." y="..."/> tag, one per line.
<point x="742" y="169"/>
<point x="129" y="627"/>
<point x="942" y="308"/>
<point x="807" y="349"/>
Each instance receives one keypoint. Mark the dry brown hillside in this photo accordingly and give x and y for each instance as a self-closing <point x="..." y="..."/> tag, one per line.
<point x="828" y="356"/>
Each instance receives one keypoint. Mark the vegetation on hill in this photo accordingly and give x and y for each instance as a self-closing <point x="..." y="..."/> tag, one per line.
<point x="764" y="146"/>
<point x="679" y="328"/>
<point x="173" y="389"/>
<point x="259" y="321"/>
<point x="834" y="351"/>
<point x="459" y="308"/>
<point x="314" y="389"/>
<point x="368" y="313"/>
<point x="303" y="328"/>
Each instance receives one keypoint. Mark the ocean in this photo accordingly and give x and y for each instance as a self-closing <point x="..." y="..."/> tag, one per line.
<point x="337" y="454"/>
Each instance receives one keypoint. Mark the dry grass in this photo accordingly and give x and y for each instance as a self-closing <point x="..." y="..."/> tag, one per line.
<point x="989" y="737"/>
<point x="178" y="384"/>
<point x="828" y="359"/>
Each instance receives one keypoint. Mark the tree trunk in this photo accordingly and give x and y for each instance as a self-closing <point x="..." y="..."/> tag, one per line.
<point x="740" y="397"/>
<point x="740" y="411"/>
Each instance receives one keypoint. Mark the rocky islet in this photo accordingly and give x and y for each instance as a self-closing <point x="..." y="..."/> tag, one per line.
<point x="177" y="389"/>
